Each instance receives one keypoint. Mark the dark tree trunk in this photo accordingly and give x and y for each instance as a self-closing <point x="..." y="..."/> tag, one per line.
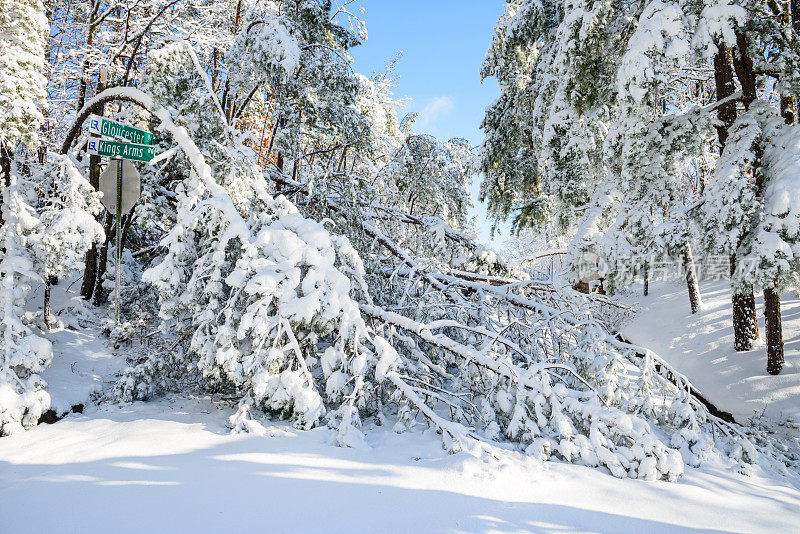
<point x="772" y="321"/>
<point x="127" y="220"/>
<point x="103" y="261"/>
<point x="691" y="279"/>
<point x="787" y="109"/>
<point x="581" y="287"/>
<point x="646" y="278"/>
<point x="89" y="273"/>
<point x="343" y="161"/>
<point x="772" y="298"/>
<point x="794" y="6"/>
<point x="743" y="65"/>
<point x="745" y="326"/>
<point x="723" y="78"/>
<point x="745" y="323"/>
<point x="90" y="270"/>
<point x="5" y="171"/>
<point x="47" y="303"/>
<point x="94" y="8"/>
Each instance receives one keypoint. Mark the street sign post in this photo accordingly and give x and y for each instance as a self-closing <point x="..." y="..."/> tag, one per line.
<point x="104" y="127"/>
<point x="120" y="183"/>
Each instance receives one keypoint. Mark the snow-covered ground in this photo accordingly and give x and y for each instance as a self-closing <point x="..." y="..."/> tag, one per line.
<point x="83" y="364"/>
<point x="173" y="466"/>
<point x="701" y="347"/>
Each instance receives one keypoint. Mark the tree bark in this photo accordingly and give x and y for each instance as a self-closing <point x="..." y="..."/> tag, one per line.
<point x="46" y="305"/>
<point x="103" y="262"/>
<point x="723" y="78"/>
<point x="5" y="171"/>
<point x="691" y="279"/>
<point x="743" y="65"/>
<point x="745" y="323"/>
<point x="772" y="298"/>
<point x="90" y="270"/>
<point x="127" y="220"/>
<point x="646" y="278"/>
<point x="772" y="320"/>
<point x="787" y="109"/>
<point x="581" y="287"/>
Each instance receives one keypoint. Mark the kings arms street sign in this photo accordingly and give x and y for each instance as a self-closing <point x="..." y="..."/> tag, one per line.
<point x="112" y="149"/>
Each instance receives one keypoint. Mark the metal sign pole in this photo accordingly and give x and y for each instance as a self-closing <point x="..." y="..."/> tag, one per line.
<point x="119" y="230"/>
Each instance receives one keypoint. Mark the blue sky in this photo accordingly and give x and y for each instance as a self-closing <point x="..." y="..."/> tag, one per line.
<point x="443" y="43"/>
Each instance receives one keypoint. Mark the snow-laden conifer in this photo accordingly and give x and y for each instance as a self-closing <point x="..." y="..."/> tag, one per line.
<point x="23" y="31"/>
<point x="23" y="354"/>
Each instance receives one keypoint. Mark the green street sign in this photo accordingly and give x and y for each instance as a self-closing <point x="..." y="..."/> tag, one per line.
<point x="110" y="149"/>
<point x="101" y="126"/>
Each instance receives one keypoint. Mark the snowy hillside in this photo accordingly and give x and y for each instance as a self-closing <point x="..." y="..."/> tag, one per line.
<point x="701" y="347"/>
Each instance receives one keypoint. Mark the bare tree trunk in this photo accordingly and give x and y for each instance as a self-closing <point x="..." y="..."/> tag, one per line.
<point x="90" y="269"/>
<point x="787" y="109"/>
<point x="795" y="9"/>
<point x="745" y="323"/>
<point x="46" y="306"/>
<point x="723" y="78"/>
<point x="691" y="279"/>
<point x="646" y="278"/>
<point x="102" y="264"/>
<point x="127" y="220"/>
<point x="5" y="171"/>
<point x="772" y="298"/>
<point x="772" y="321"/>
<point x="343" y="160"/>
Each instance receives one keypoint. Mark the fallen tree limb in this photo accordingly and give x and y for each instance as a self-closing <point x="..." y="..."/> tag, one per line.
<point x="673" y="376"/>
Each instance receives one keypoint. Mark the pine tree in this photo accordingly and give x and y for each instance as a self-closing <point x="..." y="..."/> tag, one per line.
<point x="24" y="354"/>
<point x="23" y="30"/>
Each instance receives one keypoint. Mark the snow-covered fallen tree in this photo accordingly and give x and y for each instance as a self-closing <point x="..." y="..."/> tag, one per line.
<point x="274" y="310"/>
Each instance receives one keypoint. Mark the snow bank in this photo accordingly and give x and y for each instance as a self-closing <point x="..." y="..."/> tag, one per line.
<point x="172" y="466"/>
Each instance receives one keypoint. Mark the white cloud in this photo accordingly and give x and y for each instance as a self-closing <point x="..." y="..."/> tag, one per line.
<point x="435" y="108"/>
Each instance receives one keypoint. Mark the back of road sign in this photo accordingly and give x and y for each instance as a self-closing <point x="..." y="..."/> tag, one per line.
<point x="131" y="186"/>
